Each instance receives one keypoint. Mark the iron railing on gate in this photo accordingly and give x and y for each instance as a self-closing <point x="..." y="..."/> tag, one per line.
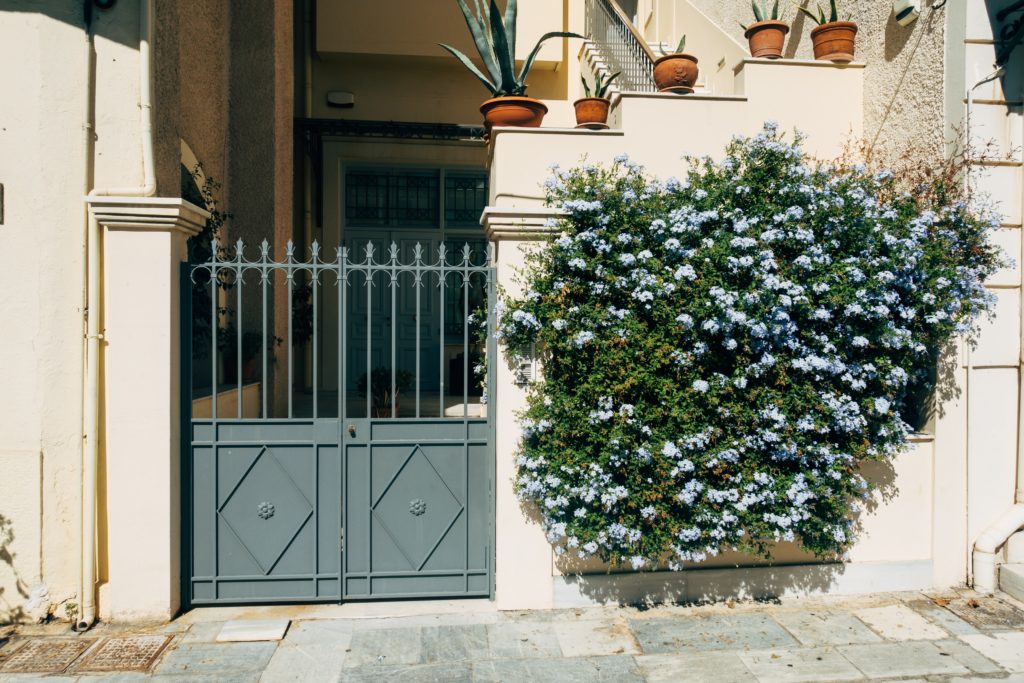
<point x="345" y="337"/>
<point x="621" y="45"/>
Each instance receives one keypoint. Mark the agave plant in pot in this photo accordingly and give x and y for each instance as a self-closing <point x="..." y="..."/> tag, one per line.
<point x="767" y="35"/>
<point x="495" y="38"/>
<point x="592" y="110"/>
<point x="833" y="40"/>
<point x="676" y="71"/>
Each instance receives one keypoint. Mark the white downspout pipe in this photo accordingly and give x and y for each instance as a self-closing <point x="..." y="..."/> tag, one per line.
<point x="90" y="456"/>
<point x="996" y="535"/>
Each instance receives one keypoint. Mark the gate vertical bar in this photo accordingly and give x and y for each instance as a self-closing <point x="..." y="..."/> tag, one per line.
<point x="443" y="275"/>
<point x="264" y="275"/>
<point x="418" y="284"/>
<point x="238" y="326"/>
<point x="342" y="282"/>
<point x="315" y="272"/>
<point x="290" y="274"/>
<point x="369" y="327"/>
<point x="394" y="325"/>
<point x="214" y="333"/>
<point x="465" y="335"/>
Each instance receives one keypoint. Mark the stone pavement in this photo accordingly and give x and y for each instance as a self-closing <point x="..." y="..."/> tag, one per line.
<point x="909" y="637"/>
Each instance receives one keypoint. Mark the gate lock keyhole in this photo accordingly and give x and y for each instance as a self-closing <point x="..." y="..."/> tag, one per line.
<point x="351" y="430"/>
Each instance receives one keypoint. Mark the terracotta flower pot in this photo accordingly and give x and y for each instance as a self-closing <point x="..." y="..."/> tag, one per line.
<point x="833" y="42"/>
<point x="524" y="112"/>
<point x="767" y="39"/>
<point x="676" y="73"/>
<point x="591" y="110"/>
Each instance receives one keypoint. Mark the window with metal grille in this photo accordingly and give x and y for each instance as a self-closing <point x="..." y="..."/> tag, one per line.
<point x="465" y="196"/>
<point x="413" y="198"/>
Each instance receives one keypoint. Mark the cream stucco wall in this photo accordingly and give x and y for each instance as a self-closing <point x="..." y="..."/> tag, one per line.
<point x="903" y="78"/>
<point x="43" y="170"/>
<point x="46" y="167"/>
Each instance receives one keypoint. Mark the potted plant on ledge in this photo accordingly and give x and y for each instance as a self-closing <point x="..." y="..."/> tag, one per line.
<point x="676" y="72"/>
<point x="495" y="38"/>
<point x="592" y="111"/>
<point x="833" y="39"/>
<point x="767" y="35"/>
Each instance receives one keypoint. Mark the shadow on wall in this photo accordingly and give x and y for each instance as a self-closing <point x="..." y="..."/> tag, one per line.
<point x="748" y="578"/>
<point x="11" y="609"/>
<point x="796" y="33"/>
<point x="896" y="36"/>
<point x="78" y="14"/>
<point x="1006" y="17"/>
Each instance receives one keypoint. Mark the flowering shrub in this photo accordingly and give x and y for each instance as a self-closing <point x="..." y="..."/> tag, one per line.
<point x="723" y="353"/>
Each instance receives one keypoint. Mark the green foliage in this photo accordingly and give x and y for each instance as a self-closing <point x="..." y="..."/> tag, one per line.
<point x="723" y="354"/>
<point x="495" y="38"/>
<point x="203" y="248"/>
<point x="601" y="84"/>
<point x="761" y="12"/>
<point x="821" y="17"/>
<point x="680" y="48"/>
<point x="380" y="388"/>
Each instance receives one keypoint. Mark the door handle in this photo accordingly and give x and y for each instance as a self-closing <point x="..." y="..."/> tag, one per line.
<point x="351" y="430"/>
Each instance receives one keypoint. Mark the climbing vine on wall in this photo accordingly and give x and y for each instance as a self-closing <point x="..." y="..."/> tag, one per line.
<point x="723" y="353"/>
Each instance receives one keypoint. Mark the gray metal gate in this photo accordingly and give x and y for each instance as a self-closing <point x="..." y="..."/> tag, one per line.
<point x="367" y="480"/>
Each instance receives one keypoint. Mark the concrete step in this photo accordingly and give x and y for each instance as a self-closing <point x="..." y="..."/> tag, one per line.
<point x="1011" y="580"/>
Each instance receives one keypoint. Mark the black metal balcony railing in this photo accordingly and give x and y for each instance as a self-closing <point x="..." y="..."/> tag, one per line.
<point x="621" y="46"/>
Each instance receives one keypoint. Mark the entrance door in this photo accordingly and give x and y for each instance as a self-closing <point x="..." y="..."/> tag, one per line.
<point x="299" y="493"/>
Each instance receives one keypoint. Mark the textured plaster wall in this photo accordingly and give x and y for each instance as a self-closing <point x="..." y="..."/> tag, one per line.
<point x="46" y="172"/>
<point x="903" y="80"/>
<point x="200" y="47"/>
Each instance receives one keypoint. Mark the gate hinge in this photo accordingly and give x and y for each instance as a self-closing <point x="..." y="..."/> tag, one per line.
<point x="342" y="540"/>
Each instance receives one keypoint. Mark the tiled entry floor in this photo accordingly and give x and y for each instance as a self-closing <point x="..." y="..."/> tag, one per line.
<point x="907" y="637"/>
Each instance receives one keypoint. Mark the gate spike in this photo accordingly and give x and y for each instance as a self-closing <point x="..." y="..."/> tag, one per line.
<point x="465" y="253"/>
<point x="289" y="250"/>
<point x="239" y="247"/>
<point x="393" y="251"/>
<point x="265" y="249"/>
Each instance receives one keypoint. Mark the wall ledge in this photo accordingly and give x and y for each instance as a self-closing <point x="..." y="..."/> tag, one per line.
<point x="667" y="96"/>
<point x="581" y="132"/>
<point x="813" y="63"/>
<point x="768" y="582"/>
<point x="171" y="214"/>
<point x="519" y="224"/>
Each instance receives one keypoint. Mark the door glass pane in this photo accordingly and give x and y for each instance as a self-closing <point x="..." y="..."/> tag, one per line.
<point x="465" y="196"/>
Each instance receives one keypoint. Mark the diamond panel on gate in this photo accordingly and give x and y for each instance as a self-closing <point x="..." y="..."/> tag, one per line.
<point x="400" y="500"/>
<point x="131" y="653"/>
<point x="46" y="655"/>
<point x="266" y="493"/>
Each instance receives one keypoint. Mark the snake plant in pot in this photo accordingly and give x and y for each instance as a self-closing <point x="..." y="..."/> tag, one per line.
<point x="676" y="71"/>
<point x="495" y="38"/>
<point x="833" y="40"/>
<point x="767" y="35"/>
<point x="592" y="110"/>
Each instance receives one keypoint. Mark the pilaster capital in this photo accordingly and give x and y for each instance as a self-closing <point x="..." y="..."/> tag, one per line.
<point x="171" y="214"/>
<point x="520" y="224"/>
